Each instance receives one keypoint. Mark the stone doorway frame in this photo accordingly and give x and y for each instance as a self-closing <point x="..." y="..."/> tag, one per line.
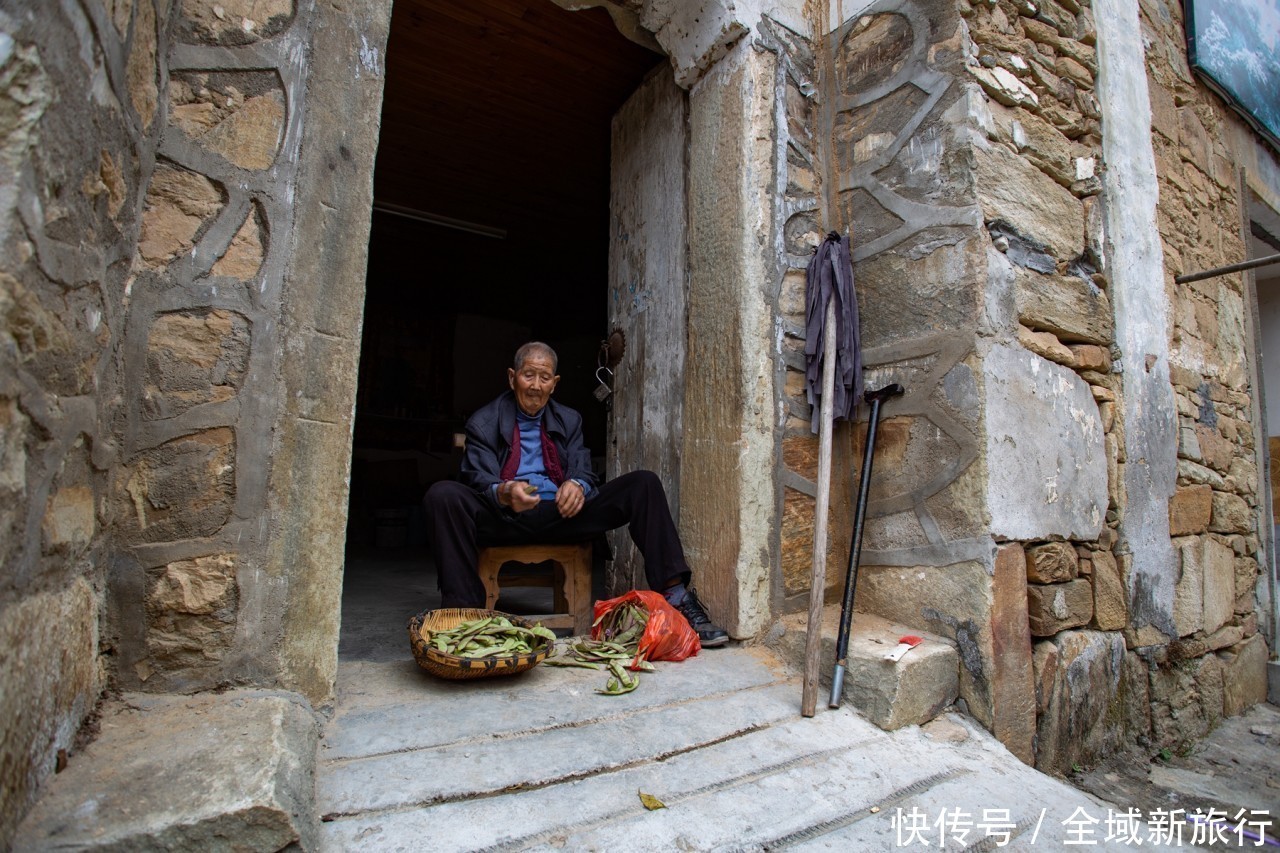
<point x="728" y="511"/>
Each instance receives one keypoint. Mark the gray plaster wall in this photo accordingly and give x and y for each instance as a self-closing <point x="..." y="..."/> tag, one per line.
<point x="1136" y="264"/>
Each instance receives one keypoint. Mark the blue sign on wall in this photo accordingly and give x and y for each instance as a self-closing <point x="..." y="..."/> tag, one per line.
<point x="1234" y="45"/>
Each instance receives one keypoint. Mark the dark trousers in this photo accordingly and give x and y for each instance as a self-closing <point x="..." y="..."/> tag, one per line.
<point x="459" y="521"/>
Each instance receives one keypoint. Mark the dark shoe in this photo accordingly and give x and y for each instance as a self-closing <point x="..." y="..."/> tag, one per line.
<point x="709" y="634"/>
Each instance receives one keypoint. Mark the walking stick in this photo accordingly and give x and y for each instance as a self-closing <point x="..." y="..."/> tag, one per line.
<point x="818" y="577"/>
<point x="875" y="398"/>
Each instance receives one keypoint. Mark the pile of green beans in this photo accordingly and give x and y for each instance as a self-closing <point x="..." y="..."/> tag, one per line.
<point x="619" y="641"/>
<point x="492" y="636"/>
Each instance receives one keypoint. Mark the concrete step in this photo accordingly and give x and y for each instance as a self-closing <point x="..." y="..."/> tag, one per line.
<point x="233" y="771"/>
<point x="398" y="706"/>
<point x="736" y="770"/>
<point x="910" y="691"/>
<point x="545" y="730"/>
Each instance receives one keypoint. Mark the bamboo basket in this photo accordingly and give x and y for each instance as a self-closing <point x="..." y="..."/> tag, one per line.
<point x="450" y="666"/>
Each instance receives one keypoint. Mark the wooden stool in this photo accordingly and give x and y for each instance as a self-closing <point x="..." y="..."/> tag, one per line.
<point x="570" y="582"/>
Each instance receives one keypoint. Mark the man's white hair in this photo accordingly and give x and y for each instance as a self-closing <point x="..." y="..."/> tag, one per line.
<point x="536" y="348"/>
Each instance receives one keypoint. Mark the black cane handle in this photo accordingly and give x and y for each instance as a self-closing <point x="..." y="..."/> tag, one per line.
<point x="891" y="390"/>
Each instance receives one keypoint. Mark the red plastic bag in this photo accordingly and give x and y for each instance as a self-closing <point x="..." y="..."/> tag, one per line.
<point x="667" y="635"/>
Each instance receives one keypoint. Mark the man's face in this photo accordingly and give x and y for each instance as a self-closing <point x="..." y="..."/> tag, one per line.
<point x="533" y="383"/>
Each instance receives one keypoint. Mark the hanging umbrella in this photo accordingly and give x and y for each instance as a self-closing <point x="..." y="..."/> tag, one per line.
<point x="833" y="380"/>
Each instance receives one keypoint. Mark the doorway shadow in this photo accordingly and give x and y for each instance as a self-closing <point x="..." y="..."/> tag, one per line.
<point x="384" y="587"/>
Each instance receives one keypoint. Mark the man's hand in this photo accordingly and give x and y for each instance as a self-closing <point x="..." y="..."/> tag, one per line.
<point x="519" y="495"/>
<point x="569" y="498"/>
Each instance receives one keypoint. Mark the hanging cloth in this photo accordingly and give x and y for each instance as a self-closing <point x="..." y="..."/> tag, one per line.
<point x="830" y="274"/>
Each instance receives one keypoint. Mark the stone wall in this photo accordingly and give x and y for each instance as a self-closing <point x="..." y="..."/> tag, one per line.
<point x="174" y="513"/>
<point x="197" y="364"/>
<point x="1115" y="659"/>
<point x="892" y="130"/>
<point x="72" y="178"/>
<point x="1214" y="513"/>
<point x="968" y="163"/>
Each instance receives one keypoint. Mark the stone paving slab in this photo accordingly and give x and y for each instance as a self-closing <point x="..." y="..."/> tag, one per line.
<point x="829" y="804"/>
<point x="737" y="769"/>
<point x="401" y="709"/>
<point x="234" y="769"/>
<point x="543" y="756"/>
<point x="576" y="805"/>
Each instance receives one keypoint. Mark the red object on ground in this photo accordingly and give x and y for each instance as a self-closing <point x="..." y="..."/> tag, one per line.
<point x="667" y="635"/>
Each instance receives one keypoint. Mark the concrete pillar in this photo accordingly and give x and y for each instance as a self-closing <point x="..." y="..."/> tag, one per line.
<point x="1141" y="311"/>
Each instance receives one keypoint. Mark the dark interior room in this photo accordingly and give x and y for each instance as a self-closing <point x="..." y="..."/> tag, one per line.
<point x="490" y="228"/>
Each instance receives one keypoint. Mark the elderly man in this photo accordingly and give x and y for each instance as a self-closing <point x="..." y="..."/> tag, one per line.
<point x="526" y="477"/>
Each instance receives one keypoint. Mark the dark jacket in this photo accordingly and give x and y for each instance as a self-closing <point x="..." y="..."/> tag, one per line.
<point x="489" y="433"/>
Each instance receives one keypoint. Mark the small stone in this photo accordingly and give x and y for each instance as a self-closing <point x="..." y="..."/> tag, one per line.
<point x="1110" y="598"/>
<point x="1190" y="510"/>
<point x="1056" y="607"/>
<point x="1045" y="344"/>
<point x="1231" y="514"/>
<point x="1091" y="357"/>
<point x="945" y="730"/>
<point x="1052" y="562"/>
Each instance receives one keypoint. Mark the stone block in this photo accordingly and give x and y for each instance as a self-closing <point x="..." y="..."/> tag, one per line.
<point x="1246" y="579"/>
<point x="1072" y="308"/>
<point x="1044" y="660"/>
<point x="140" y="70"/>
<point x="952" y="601"/>
<point x="1045" y="345"/>
<point x="1013" y="679"/>
<point x="1057" y="607"/>
<point x="1075" y="725"/>
<point x="1188" y="593"/>
<point x="1110" y="598"/>
<point x="1052" y="562"/>
<point x="184" y="488"/>
<point x="178" y="205"/>
<point x="232" y="771"/>
<point x="69" y="517"/>
<point x="250" y="136"/>
<point x="243" y="258"/>
<point x="1219" y="584"/>
<point x="1231" y="514"/>
<point x="1091" y="357"/>
<point x="890" y="694"/>
<point x="1012" y="190"/>
<point x="194" y="357"/>
<point x="1227" y="635"/>
<point x="1244" y="675"/>
<point x="194" y="586"/>
<point x="1215" y="450"/>
<point x="1047" y="472"/>
<point x="1047" y="148"/>
<point x="49" y="681"/>
<point x="1186" y="700"/>
<point x="234" y="21"/>
<point x="1190" y="509"/>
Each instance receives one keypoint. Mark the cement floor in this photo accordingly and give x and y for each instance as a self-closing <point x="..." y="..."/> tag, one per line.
<point x="540" y="761"/>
